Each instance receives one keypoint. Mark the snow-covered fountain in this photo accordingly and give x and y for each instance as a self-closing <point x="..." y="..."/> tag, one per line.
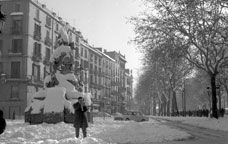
<point x="54" y="102"/>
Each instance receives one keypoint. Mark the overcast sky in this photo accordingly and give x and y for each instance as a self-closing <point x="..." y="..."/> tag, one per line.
<point x="103" y="23"/>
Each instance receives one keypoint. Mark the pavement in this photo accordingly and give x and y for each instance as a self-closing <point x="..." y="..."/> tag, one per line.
<point x="199" y="135"/>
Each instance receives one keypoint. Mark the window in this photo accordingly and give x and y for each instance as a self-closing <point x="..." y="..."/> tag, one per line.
<point x="37" y="32"/>
<point x="82" y="52"/>
<point x="95" y="69"/>
<point x="95" y="59"/>
<point x="37" y="14"/>
<point x="100" y="80"/>
<point x="85" y="53"/>
<point x="36" y="72"/>
<point x="91" y="57"/>
<point x="77" y="39"/>
<point x="76" y="64"/>
<point x="16" y="46"/>
<point x="17" y="7"/>
<point x="37" y="29"/>
<point x="14" y="91"/>
<point x="82" y="63"/>
<point x="57" y="27"/>
<point x="17" y="27"/>
<point x="1" y="47"/>
<point x="37" y="50"/>
<point x="86" y="64"/>
<point x="1" y="67"/>
<point x="91" y="78"/>
<point x="76" y="52"/>
<point x="48" y="34"/>
<point x="15" y="69"/>
<point x="99" y="61"/>
<point x="91" y="67"/>
<point x="48" y="53"/>
<point x="48" y="21"/>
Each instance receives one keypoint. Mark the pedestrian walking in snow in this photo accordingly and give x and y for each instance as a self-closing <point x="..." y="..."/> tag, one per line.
<point x="2" y="123"/>
<point x="80" y="120"/>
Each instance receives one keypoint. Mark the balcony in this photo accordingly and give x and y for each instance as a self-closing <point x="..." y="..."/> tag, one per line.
<point x="16" y="31"/>
<point x="37" y="36"/>
<point x="72" y="45"/>
<point x="122" y="89"/>
<point x="46" y="61"/>
<point x="37" y="57"/>
<point x="35" y="80"/>
<point x="13" y="78"/>
<point x="114" y="92"/>
<point x="48" y="42"/>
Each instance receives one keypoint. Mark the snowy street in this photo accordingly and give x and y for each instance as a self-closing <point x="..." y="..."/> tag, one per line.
<point x="101" y="132"/>
<point x="201" y="134"/>
<point x="158" y="130"/>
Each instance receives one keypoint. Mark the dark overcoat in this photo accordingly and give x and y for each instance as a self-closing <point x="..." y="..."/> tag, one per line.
<point x="2" y="125"/>
<point x="80" y="116"/>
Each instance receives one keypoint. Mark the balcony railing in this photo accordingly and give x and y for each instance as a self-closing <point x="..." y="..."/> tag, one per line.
<point x="37" y="36"/>
<point x="48" y="41"/>
<point x="16" y="31"/>
<point x="37" y="57"/>
<point x="46" y="61"/>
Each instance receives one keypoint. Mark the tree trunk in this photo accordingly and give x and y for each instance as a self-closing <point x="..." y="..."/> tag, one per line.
<point x="165" y="108"/>
<point x="214" y="98"/>
<point x="168" y="108"/>
<point x="168" y="105"/>
<point x="226" y="98"/>
<point x="154" y="106"/>
<point x="174" y="104"/>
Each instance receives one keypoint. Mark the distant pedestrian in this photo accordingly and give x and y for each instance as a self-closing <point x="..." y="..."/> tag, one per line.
<point x="80" y="115"/>
<point x="2" y="123"/>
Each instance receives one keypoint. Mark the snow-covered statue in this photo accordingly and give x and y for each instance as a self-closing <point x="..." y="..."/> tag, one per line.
<point x="61" y="89"/>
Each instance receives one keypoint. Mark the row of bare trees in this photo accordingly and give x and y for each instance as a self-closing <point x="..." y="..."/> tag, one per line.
<point x="178" y="38"/>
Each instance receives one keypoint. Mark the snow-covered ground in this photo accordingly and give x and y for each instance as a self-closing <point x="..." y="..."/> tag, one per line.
<point x="211" y="123"/>
<point x="102" y="131"/>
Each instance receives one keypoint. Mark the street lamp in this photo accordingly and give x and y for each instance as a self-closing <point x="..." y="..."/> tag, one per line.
<point x="2" y="21"/>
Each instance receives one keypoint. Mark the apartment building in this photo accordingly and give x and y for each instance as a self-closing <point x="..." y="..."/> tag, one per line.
<point x="26" y="43"/>
<point x="119" y="82"/>
<point x="129" y="88"/>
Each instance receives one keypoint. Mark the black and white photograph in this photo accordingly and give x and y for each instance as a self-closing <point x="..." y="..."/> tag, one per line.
<point x="113" y="71"/>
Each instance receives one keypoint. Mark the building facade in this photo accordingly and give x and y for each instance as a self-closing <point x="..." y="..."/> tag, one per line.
<point x="26" y="44"/>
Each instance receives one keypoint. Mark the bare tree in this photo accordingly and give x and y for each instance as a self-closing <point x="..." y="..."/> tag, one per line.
<point x="197" y="27"/>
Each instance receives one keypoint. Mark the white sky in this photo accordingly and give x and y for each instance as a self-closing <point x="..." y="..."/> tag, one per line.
<point x="103" y="23"/>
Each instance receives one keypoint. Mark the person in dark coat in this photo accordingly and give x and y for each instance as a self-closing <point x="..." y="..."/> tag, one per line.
<point x="80" y="120"/>
<point x="2" y="123"/>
